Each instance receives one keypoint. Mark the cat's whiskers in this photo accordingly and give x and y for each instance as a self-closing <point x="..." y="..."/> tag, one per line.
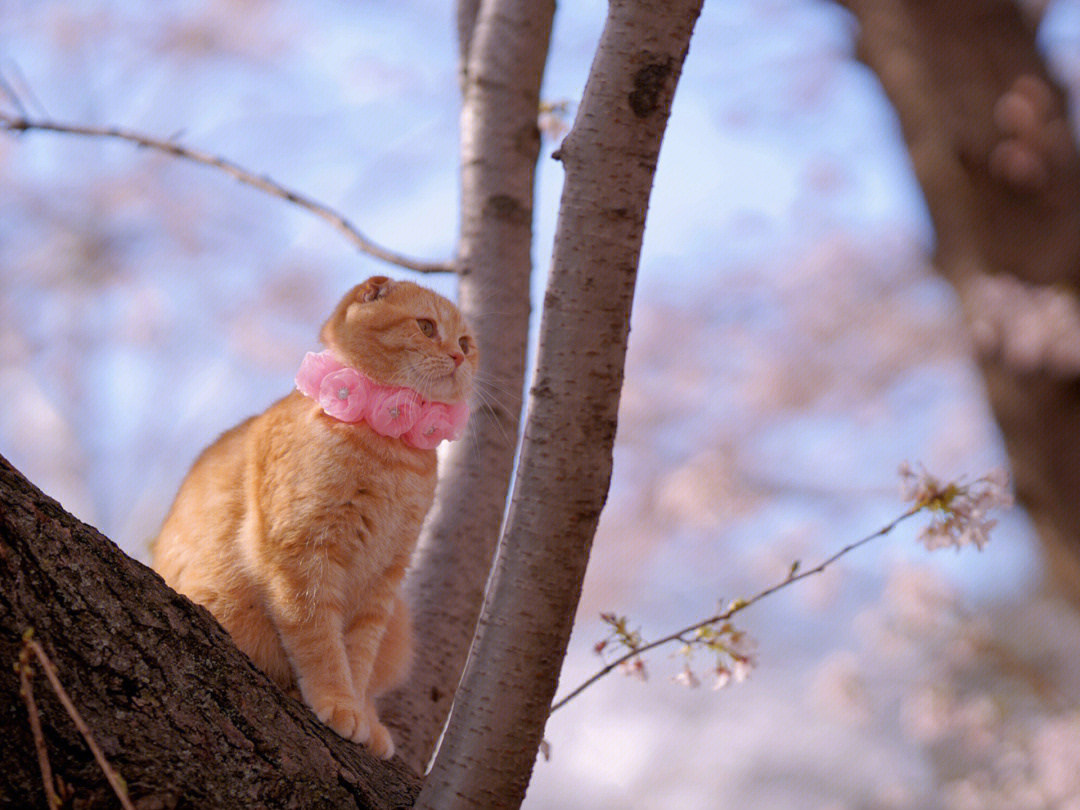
<point x="487" y="400"/>
<point x="489" y="382"/>
<point x="405" y="377"/>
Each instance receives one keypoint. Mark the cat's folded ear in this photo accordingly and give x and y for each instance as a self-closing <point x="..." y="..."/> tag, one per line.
<point x="373" y="289"/>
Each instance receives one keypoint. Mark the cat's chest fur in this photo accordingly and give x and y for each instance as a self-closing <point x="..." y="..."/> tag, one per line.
<point x="348" y="504"/>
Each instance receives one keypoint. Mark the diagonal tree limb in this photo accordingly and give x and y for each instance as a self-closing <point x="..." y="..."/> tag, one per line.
<point x="160" y="683"/>
<point x="737" y="606"/>
<point x="21" y="123"/>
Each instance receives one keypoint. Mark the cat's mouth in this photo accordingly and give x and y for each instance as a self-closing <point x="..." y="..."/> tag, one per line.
<point x="451" y="377"/>
<point x="449" y="387"/>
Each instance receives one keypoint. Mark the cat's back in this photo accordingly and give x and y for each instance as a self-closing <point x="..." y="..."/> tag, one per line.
<point x="207" y="510"/>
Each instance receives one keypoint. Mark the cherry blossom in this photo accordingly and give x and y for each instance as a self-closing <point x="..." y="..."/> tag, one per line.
<point x="959" y="510"/>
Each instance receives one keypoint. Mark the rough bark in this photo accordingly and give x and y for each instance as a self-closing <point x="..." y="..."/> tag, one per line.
<point x="971" y="90"/>
<point x="610" y="155"/>
<point x="179" y="712"/>
<point x="507" y="44"/>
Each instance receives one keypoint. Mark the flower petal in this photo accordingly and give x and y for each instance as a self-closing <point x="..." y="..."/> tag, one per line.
<point x="433" y="425"/>
<point x="344" y="395"/>
<point x="393" y="412"/>
<point x="313" y="370"/>
<point x="459" y="416"/>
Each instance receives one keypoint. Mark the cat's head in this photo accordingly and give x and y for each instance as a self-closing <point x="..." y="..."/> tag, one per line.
<point x="399" y="333"/>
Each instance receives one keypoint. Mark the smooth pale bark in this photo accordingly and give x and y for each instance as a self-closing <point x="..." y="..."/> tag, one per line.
<point x="467" y="13"/>
<point x="183" y="716"/>
<point x="500" y="141"/>
<point x="946" y="67"/>
<point x="490" y="745"/>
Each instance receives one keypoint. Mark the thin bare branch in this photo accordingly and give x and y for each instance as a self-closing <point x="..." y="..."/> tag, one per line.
<point x="115" y="782"/>
<point x="21" y="123"/>
<point x="26" y="689"/>
<point x="20" y="89"/>
<point x="13" y="97"/>
<point x="735" y="607"/>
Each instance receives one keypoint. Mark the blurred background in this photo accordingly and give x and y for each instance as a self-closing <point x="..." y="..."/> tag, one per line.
<point x="791" y="346"/>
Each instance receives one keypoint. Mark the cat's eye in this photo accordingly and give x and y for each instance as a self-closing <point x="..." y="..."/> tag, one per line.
<point x="464" y="344"/>
<point x="426" y="326"/>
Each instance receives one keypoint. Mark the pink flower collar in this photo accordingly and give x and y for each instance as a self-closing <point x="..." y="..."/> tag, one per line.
<point x="348" y="396"/>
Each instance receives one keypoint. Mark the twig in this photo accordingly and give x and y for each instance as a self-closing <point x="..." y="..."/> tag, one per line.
<point x="27" y="692"/>
<point x="22" y="123"/>
<point x="735" y="607"/>
<point x="9" y="91"/>
<point x="23" y="91"/>
<point x="114" y="779"/>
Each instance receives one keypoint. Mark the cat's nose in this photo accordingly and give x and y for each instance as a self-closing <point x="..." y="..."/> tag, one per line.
<point x="457" y="358"/>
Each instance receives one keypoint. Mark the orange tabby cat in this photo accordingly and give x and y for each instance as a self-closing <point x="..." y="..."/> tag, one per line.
<point x="294" y="528"/>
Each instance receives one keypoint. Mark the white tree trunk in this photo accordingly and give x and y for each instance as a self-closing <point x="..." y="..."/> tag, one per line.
<point x="610" y="155"/>
<point x="504" y="47"/>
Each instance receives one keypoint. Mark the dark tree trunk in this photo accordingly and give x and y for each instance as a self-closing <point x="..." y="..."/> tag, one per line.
<point x="987" y="130"/>
<point x="178" y="711"/>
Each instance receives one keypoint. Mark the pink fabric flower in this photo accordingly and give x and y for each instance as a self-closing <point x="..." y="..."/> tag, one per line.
<point x="394" y="411"/>
<point x="313" y="370"/>
<point x="345" y="394"/>
<point x="459" y="416"/>
<point x="438" y="421"/>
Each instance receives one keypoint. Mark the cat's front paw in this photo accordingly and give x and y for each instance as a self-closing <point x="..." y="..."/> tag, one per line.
<point x="380" y="743"/>
<point x="347" y="719"/>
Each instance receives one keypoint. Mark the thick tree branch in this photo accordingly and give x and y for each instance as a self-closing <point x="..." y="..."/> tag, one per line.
<point x="176" y="709"/>
<point x="947" y="68"/>
<point x="487" y="753"/>
<point x="20" y="123"/>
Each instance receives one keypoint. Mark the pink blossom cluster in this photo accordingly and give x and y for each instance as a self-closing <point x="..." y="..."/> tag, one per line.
<point x="733" y="648"/>
<point x="959" y="510"/>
